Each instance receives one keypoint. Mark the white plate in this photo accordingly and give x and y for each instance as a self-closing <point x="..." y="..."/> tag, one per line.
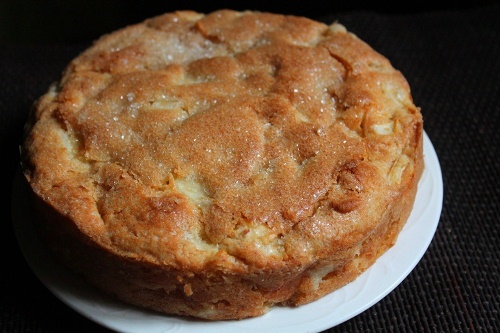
<point x="331" y="310"/>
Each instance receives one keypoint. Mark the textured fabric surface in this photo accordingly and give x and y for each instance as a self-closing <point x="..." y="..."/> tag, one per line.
<point x="451" y="59"/>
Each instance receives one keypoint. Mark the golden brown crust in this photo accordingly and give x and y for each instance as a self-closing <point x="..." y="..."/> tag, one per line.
<point x="217" y="165"/>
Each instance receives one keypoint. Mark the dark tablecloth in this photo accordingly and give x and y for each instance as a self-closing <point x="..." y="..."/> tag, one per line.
<point x="451" y="58"/>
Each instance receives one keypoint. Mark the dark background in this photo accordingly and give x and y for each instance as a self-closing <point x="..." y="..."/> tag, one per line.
<point x="450" y="54"/>
<point x="70" y="21"/>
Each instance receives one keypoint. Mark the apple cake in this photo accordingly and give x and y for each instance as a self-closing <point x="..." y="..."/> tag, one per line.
<point x="217" y="165"/>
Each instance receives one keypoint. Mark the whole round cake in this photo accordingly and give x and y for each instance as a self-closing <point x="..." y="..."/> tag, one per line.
<point x="217" y="165"/>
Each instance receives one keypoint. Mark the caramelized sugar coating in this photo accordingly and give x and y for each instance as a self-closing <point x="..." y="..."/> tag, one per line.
<point x="217" y="165"/>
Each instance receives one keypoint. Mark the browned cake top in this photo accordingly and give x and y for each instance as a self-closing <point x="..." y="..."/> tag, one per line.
<point x="234" y="140"/>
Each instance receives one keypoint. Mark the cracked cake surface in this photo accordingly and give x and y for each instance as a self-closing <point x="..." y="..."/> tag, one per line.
<point x="216" y="165"/>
